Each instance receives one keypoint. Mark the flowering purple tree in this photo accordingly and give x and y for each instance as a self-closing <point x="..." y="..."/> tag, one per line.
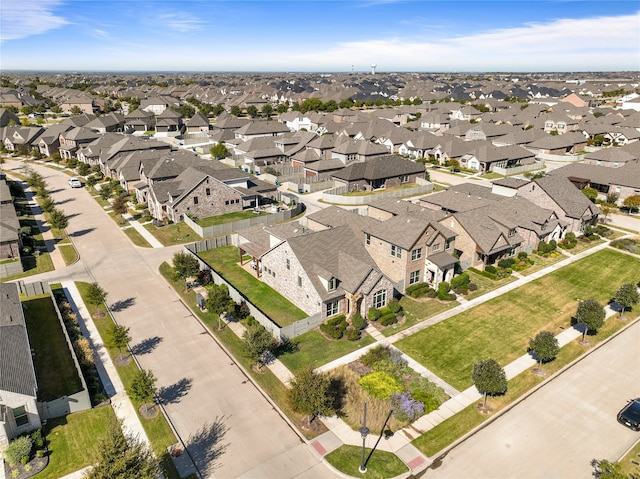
<point x="405" y="408"/>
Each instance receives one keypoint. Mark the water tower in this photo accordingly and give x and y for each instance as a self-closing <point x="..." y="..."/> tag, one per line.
<point x="373" y="69"/>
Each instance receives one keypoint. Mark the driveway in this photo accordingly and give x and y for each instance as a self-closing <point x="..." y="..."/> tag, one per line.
<point x="559" y="429"/>
<point x="230" y="428"/>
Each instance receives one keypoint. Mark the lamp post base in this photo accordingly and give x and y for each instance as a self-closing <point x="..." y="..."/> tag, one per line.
<point x="362" y="470"/>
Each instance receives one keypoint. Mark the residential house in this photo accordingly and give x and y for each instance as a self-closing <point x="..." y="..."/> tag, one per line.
<point x="84" y="103"/>
<point x="157" y="105"/>
<point x="381" y="172"/>
<point x="484" y="156"/>
<point x="614" y="157"/>
<point x="8" y="117"/>
<point x="72" y="140"/>
<point x="348" y="150"/>
<point x="198" y="123"/>
<point x="568" y="143"/>
<point x="111" y="122"/>
<point x="10" y="240"/>
<point x="18" y="386"/>
<point x="169" y="123"/>
<point x="22" y="139"/>
<point x="49" y="142"/>
<point x="139" y="121"/>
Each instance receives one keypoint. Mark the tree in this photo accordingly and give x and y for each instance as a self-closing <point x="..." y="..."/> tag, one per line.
<point x="47" y="204"/>
<point x="91" y="181"/>
<point x="631" y="203"/>
<point x="590" y="193"/>
<point x="58" y="220"/>
<point x="143" y="388"/>
<point x="76" y="110"/>
<point x="309" y="393"/>
<point x="236" y="110"/>
<point x="591" y="314"/>
<point x="96" y="295"/>
<point x="489" y="378"/>
<point x="185" y="265"/>
<point x="267" y="110"/>
<point x="626" y="296"/>
<point x="220" y="302"/>
<point x="545" y="346"/>
<point x="257" y="341"/>
<point x="119" y="337"/>
<point x="119" y="205"/>
<point x="282" y="108"/>
<point x="218" y="150"/>
<point x="606" y="211"/>
<point x="123" y="456"/>
<point x="252" y="111"/>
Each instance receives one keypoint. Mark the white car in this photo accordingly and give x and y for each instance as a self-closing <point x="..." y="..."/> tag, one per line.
<point x="75" y="182"/>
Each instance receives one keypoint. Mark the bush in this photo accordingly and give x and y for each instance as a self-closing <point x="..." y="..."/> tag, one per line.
<point x="419" y="290"/>
<point x="473" y="286"/>
<point x="358" y="322"/>
<point x="405" y="407"/>
<point x="443" y="292"/>
<point x="490" y="269"/>
<point x="380" y="384"/>
<point x="460" y="281"/>
<point x="352" y="334"/>
<point x="37" y="439"/>
<point x="335" y="327"/>
<point x="373" y="314"/>
<point x="394" y="306"/>
<point x="18" y="449"/>
<point x="522" y="255"/>
<point x="387" y="319"/>
<point x="506" y="263"/>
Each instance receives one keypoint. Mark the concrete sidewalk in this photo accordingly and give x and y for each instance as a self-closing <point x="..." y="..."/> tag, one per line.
<point x="152" y="240"/>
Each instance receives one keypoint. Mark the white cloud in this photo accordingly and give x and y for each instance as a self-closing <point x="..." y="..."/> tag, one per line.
<point x="97" y="33"/>
<point x="20" y="19"/>
<point x="180" y="21"/>
<point x="565" y="44"/>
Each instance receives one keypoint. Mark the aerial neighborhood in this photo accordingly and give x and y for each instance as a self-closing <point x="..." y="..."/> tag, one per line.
<point x="339" y="228"/>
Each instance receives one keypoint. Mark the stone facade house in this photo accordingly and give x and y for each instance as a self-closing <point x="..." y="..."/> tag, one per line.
<point x="381" y="172"/>
<point x="18" y="387"/>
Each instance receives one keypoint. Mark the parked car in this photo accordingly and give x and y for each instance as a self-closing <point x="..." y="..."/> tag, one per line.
<point x="630" y="415"/>
<point x="75" y="182"/>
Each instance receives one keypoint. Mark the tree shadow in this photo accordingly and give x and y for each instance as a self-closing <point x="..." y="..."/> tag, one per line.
<point x="72" y="215"/>
<point x="67" y="200"/>
<point x="205" y="446"/>
<point x="287" y="346"/>
<point x="82" y="232"/>
<point x="172" y="394"/>
<point x="338" y="393"/>
<point x="122" y="304"/>
<point x="146" y="345"/>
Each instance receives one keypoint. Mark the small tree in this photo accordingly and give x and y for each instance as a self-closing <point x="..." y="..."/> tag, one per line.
<point x="545" y="346"/>
<point x="252" y="111"/>
<point x="119" y="337"/>
<point x="591" y="314"/>
<point x="143" y="388"/>
<point x="309" y="394"/>
<point x="119" y="205"/>
<point x="235" y="110"/>
<point x="47" y="204"/>
<point x="590" y="193"/>
<point x="489" y="378"/>
<point x="631" y="203"/>
<point x="267" y="110"/>
<point x="626" y="296"/>
<point x="184" y="266"/>
<point x="96" y="295"/>
<point x="123" y="455"/>
<point x="91" y="181"/>
<point x="257" y="341"/>
<point x="220" y="302"/>
<point x="218" y="150"/>
<point x="58" y="219"/>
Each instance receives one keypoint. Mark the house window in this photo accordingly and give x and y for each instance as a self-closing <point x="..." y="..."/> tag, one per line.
<point x="512" y="232"/>
<point x="208" y="191"/>
<point x="404" y="179"/>
<point x="436" y="247"/>
<point x="333" y="284"/>
<point x="396" y="251"/>
<point x="226" y="202"/>
<point x="380" y="299"/>
<point x="20" y="416"/>
<point x="414" y="277"/>
<point x="447" y="244"/>
<point x="367" y="238"/>
<point x="299" y="282"/>
<point x="416" y="254"/>
<point x="195" y="200"/>
<point x="332" y="308"/>
<point x="288" y="263"/>
<point x="512" y="252"/>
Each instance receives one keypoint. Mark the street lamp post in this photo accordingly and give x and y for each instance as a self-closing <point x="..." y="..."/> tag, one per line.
<point x="364" y="432"/>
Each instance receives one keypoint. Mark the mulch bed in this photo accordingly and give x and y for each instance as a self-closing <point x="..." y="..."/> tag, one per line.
<point x="31" y="468"/>
<point x="148" y="412"/>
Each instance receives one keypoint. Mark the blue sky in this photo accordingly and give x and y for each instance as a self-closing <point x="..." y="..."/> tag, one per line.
<point x="319" y="36"/>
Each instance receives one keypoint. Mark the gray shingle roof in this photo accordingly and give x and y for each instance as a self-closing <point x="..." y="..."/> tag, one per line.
<point x="567" y="196"/>
<point x="16" y="366"/>
<point x="388" y="166"/>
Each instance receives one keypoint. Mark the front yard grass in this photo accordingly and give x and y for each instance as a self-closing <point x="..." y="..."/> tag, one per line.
<point x="225" y="261"/>
<point x="69" y="253"/>
<point x="381" y="465"/>
<point x="136" y="238"/>
<point x="53" y="362"/>
<point x="178" y="233"/>
<point x="485" y="285"/>
<point x="227" y="218"/>
<point x="448" y="431"/>
<point x="502" y="327"/>
<point x="416" y="311"/>
<point x="73" y="441"/>
<point x="312" y="349"/>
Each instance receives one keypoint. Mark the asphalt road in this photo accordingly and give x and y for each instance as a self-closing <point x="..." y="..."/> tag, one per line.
<point x="229" y="427"/>
<point x="559" y="429"/>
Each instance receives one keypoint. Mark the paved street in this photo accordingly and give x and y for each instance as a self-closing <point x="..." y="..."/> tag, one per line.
<point x="560" y="428"/>
<point x="230" y="428"/>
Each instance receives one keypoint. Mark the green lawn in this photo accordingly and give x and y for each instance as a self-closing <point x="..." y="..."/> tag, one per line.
<point x="55" y="369"/>
<point x="278" y="308"/>
<point x="381" y="464"/>
<point x="158" y="430"/>
<point x="501" y="328"/>
<point x="486" y="285"/>
<point x="312" y="349"/>
<point x="72" y="441"/>
<point x="178" y="233"/>
<point x="69" y="254"/>
<point x="136" y="238"/>
<point x="227" y="218"/>
<point x="416" y="311"/>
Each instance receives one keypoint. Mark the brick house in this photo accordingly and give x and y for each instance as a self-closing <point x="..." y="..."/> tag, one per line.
<point x="381" y="172"/>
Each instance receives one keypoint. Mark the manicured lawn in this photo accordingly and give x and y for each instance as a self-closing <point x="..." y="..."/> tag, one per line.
<point x="628" y="467"/>
<point x="445" y="433"/>
<point x="227" y="218"/>
<point x="278" y="308"/>
<point x="136" y="238"/>
<point x="501" y="328"/>
<point x="486" y="285"/>
<point x="55" y="369"/>
<point x="178" y="233"/>
<point x="491" y="176"/>
<point x="416" y="311"/>
<point x="381" y="465"/>
<point x="313" y="349"/>
<point x="158" y="430"/>
<point x="541" y="262"/>
<point x="69" y="254"/>
<point x="73" y="439"/>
